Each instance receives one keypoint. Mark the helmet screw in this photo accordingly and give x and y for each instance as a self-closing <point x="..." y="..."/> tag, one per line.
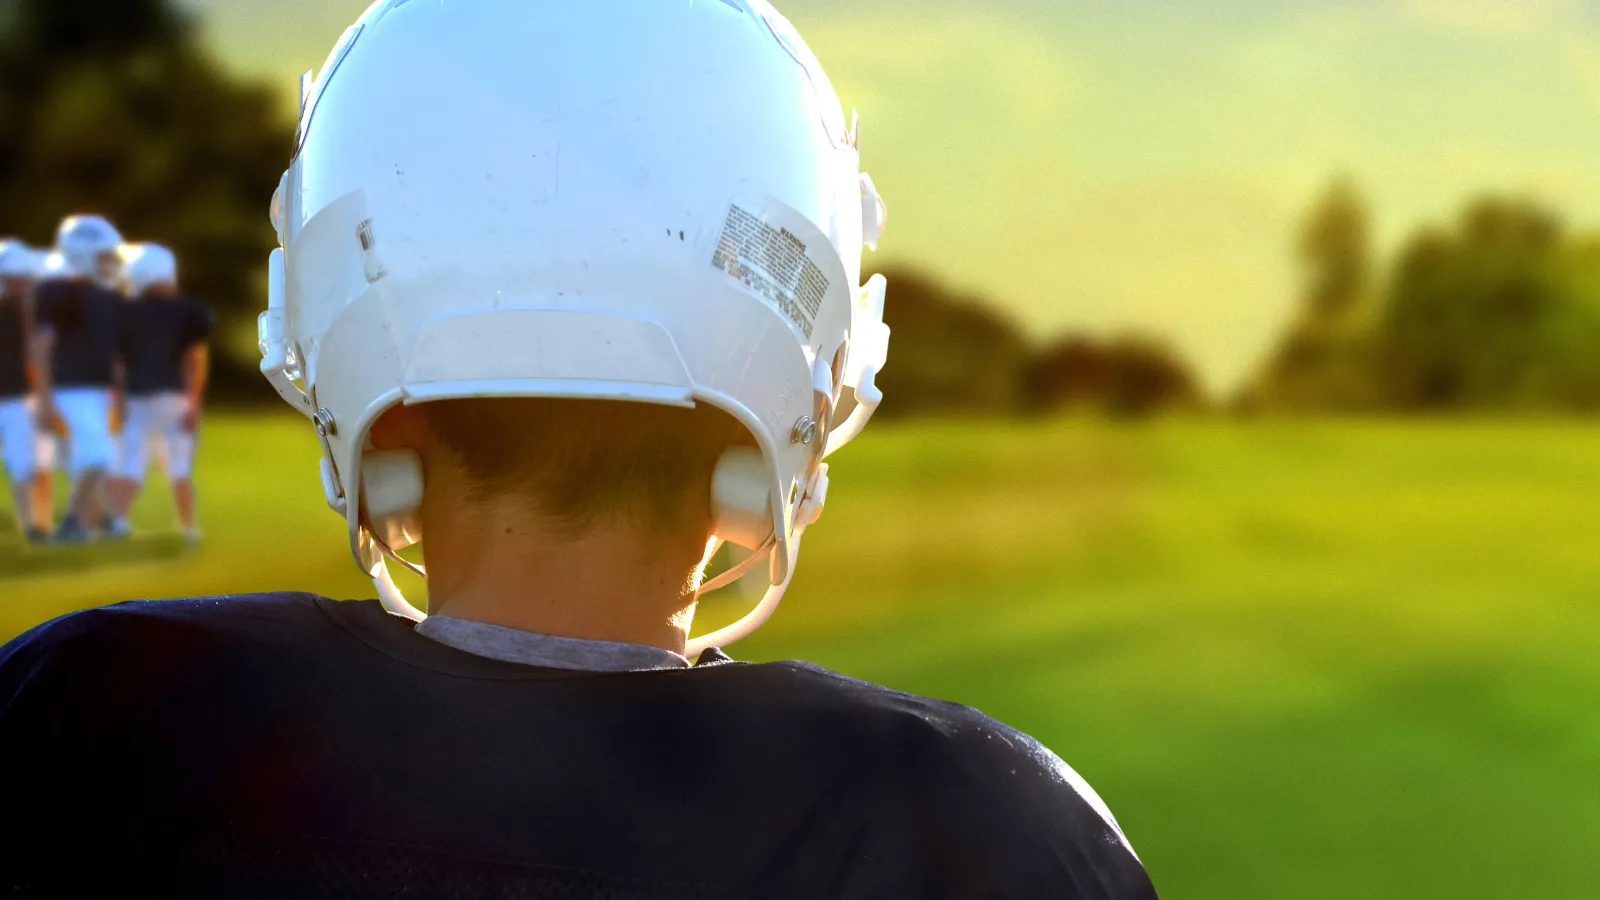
<point x="804" y="432"/>
<point x="323" y="422"/>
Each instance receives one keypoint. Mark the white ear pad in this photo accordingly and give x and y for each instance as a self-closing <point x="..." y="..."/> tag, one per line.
<point x="391" y="495"/>
<point x="741" y="510"/>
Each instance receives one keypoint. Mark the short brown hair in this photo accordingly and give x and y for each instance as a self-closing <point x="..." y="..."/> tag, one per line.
<point x="586" y="463"/>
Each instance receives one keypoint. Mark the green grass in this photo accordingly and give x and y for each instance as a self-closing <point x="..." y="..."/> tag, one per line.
<point x="1298" y="659"/>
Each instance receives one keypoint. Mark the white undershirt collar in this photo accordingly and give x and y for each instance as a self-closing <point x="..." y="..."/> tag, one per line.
<point x="545" y="650"/>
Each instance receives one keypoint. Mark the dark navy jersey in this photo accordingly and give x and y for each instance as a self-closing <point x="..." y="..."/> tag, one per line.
<point x="84" y="318"/>
<point x="13" y="349"/>
<point x="155" y="335"/>
<point x="285" y="745"/>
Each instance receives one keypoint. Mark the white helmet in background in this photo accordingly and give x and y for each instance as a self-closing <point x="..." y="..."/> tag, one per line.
<point x="53" y="265"/>
<point x="642" y="200"/>
<point x="82" y="242"/>
<point x="147" y="265"/>
<point x="18" y="260"/>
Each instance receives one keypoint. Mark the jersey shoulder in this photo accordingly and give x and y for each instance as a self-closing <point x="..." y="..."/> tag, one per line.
<point x="986" y="784"/>
<point x="938" y="731"/>
<point x="200" y="315"/>
<point x="139" y="634"/>
<point x="222" y="613"/>
<point x="51" y="290"/>
<point x="46" y="287"/>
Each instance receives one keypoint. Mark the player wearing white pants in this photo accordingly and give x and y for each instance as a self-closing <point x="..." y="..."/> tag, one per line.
<point x="19" y="266"/>
<point x="156" y="423"/>
<point x="17" y="439"/>
<point x="78" y="318"/>
<point x="87" y="413"/>
<point x="162" y="345"/>
<point x="16" y="450"/>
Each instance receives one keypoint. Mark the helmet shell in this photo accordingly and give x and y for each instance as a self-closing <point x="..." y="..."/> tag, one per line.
<point x="81" y="240"/>
<point x="18" y="260"/>
<point x="146" y="265"/>
<point x="637" y="200"/>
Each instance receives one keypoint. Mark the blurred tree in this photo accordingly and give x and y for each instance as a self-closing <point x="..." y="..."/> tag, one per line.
<point x="1147" y="376"/>
<point x="1567" y="372"/>
<point x="1071" y="371"/>
<point x="949" y="352"/>
<point x="1335" y="248"/>
<point x="1500" y="310"/>
<point x="113" y="106"/>
<point x="1494" y="313"/>
<point x="954" y="352"/>
<point x="1128" y="377"/>
<point x="1325" y="359"/>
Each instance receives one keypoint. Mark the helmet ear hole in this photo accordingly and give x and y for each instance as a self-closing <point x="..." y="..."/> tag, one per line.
<point x="741" y="508"/>
<point x="391" y="495"/>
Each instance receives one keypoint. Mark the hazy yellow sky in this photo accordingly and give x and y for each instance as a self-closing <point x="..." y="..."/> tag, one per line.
<point x="1135" y="164"/>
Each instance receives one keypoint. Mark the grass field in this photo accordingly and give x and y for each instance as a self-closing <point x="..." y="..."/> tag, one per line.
<point x="1304" y="660"/>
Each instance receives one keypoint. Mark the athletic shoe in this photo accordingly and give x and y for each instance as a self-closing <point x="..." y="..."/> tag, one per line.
<point x="70" y="532"/>
<point x="36" y="535"/>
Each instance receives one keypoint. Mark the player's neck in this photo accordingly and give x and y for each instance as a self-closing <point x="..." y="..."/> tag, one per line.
<point x="497" y="562"/>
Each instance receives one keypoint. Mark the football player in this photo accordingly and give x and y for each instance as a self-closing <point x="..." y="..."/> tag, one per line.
<point x="49" y="433"/>
<point x="570" y="292"/>
<point x="164" y="359"/>
<point x="19" y="267"/>
<point x="78" y="317"/>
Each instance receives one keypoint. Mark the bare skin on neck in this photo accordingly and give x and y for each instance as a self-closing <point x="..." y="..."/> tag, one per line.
<point x="498" y="560"/>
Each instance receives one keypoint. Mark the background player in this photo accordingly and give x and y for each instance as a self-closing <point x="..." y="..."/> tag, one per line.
<point x="78" y="320"/>
<point x="19" y="267"/>
<point x="164" y="359"/>
<point x="50" y="433"/>
<point x="588" y="317"/>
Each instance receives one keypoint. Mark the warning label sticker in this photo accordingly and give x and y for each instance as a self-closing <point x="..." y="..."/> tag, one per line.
<point x="774" y="263"/>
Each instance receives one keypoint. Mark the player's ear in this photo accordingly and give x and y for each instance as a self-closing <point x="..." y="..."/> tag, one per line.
<point x="392" y="476"/>
<point x="741" y="509"/>
<point x="400" y="426"/>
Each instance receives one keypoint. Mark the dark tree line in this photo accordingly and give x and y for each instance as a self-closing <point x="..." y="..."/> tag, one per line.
<point x="1499" y="309"/>
<point x="955" y="352"/>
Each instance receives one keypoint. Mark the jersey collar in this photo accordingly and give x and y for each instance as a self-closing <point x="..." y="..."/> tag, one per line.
<point x="545" y="650"/>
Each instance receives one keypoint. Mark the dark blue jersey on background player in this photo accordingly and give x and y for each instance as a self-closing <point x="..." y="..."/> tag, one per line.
<point x="19" y="266"/>
<point x="595" y="314"/>
<point x="162" y="345"/>
<point x="78" y="320"/>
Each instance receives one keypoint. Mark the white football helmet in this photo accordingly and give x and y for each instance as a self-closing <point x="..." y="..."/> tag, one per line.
<point x="82" y="241"/>
<point x="643" y="200"/>
<point x="18" y="260"/>
<point x="54" y="265"/>
<point x="146" y="265"/>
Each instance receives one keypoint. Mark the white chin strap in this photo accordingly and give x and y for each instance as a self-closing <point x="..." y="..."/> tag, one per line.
<point x="389" y="594"/>
<point x="396" y="603"/>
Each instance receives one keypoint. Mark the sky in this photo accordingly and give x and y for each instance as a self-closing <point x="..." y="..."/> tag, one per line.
<point x="1141" y="165"/>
